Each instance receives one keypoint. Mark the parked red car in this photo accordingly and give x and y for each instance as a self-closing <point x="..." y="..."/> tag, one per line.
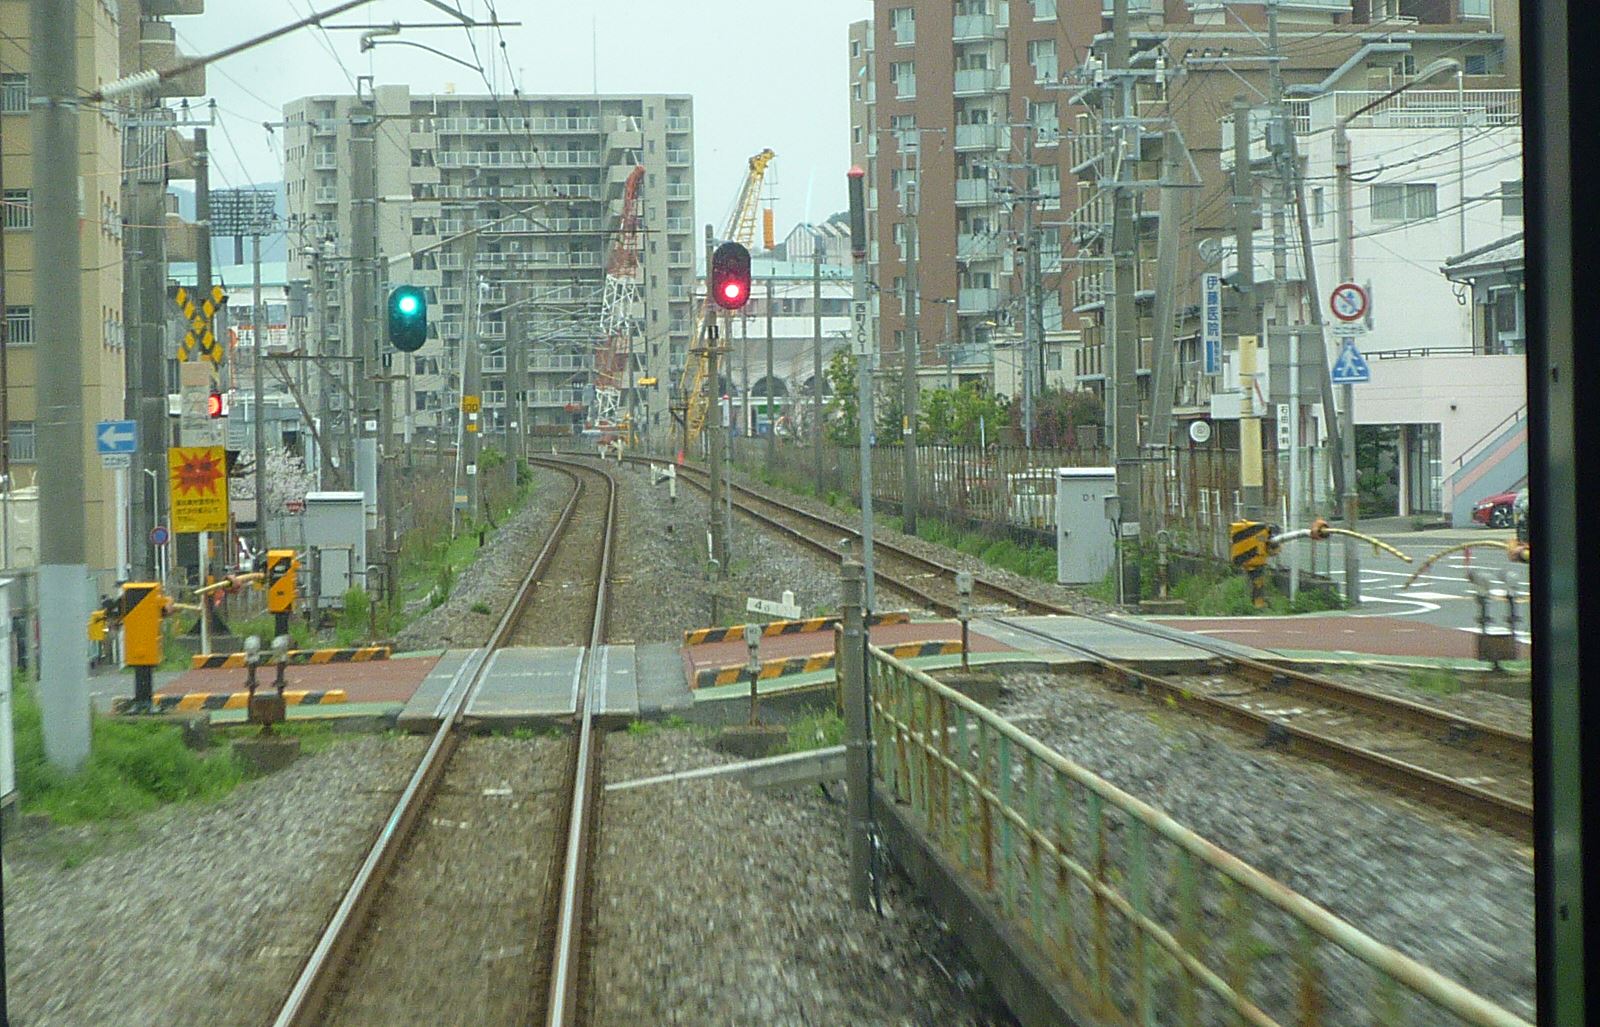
<point x="1497" y="510"/>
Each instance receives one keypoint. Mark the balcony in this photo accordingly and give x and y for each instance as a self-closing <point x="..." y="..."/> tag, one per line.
<point x="679" y="191"/>
<point x="978" y="137"/>
<point x="678" y="157"/>
<point x="546" y="363"/>
<point x="327" y="194"/>
<point x="680" y="292"/>
<point x="977" y="301"/>
<point x="970" y="28"/>
<point x="546" y="190"/>
<point x="679" y="225"/>
<point x="500" y="126"/>
<point x="976" y="81"/>
<point x="973" y="191"/>
<point x="680" y="258"/>
<point x="1414" y="109"/>
<point x="982" y="246"/>
<point x="325" y="161"/>
<point x="678" y="124"/>
<point x="517" y="158"/>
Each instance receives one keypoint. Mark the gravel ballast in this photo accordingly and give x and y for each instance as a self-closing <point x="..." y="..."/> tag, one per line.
<point x="496" y="571"/>
<point x="201" y="914"/>
<point x="738" y="911"/>
<point x="1455" y="897"/>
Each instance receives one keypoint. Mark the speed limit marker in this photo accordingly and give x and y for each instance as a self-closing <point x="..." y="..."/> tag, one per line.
<point x="1348" y="302"/>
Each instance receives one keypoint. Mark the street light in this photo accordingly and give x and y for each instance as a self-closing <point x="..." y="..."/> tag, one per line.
<point x="1346" y="232"/>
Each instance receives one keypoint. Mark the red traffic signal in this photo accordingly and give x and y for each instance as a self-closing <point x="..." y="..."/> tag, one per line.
<point x="214" y="404"/>
<point x="730" y="276"/>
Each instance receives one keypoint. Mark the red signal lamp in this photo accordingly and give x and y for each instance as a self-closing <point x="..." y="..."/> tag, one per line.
<point x="214" y="404"/>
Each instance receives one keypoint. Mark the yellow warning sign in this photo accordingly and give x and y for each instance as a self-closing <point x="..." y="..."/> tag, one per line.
<point x="198" y="479"/>
<point x="471" y="404"/>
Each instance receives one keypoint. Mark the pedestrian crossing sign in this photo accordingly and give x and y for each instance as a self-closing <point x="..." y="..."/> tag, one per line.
<point x="1351" y="367"/>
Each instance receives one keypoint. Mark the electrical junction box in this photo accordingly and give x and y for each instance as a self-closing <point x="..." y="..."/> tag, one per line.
<point x="334" y="525"/>
<point x="1085" y="539"/>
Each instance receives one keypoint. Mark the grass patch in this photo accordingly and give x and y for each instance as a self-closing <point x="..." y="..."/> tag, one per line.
<point x="315" y="735"/>
<point x="480" y="607"/>
<point x="1434" y="679"/>
<point x="641" y="728"/>
<point x="132" y="768"/>
<point x="818" y="731"/>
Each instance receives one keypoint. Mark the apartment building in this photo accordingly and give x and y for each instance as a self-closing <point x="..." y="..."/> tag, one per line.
<point x="543" y="177"/>
<point x="104" y="28"/>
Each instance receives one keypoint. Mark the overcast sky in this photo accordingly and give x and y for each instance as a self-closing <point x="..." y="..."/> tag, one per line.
<point x="762" y="73"/>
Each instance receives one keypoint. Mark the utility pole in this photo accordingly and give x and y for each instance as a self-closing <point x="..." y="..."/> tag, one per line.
<point x="63" y="574"/>
<point x="1347" y="271"/>
<point x="866" y="351"/>
<point x="717" y="436"/>
<point x="1028" y="326"/>
<point x="258" y="321"/>
<point x="1244" y="214"/>
<point x="472" y="381"/>
<point x="1277" y="147"/>
<point x="746" y="423"/>
<point x="363" y="257"/>
<point x="911" y="354"/>
<point x="1163" y="358"/>
<point x="1124" y="332"/>
<point x="816" y="362"/>
<point x="772" y="421"/>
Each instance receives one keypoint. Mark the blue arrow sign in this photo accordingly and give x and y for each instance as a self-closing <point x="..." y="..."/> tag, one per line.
<point x="116" y="437"/>
<point x="1351" y="367"/>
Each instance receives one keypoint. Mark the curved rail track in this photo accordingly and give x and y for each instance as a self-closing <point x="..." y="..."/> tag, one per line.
<point x="578" y="551"/>
<point x="1478" y="770"/>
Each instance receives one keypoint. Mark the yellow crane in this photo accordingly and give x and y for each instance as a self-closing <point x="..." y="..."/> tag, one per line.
<point x="741" y="229"/>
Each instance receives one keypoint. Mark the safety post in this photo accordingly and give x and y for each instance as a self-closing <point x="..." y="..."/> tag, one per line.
<point x="752" y="641"/>
<point x="282" y="566"/>
<point x="141" y="609"/>
<point x="964" y="611"/>
<point x="1249" y="551"/>
<point x="851" y="660"/>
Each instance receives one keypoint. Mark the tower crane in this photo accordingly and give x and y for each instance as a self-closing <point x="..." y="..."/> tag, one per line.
<point x="741" y="229"/>
<point x="614" y="351"/>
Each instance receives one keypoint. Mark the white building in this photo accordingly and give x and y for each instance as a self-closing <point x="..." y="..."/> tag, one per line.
<point x="1436" y="175"/>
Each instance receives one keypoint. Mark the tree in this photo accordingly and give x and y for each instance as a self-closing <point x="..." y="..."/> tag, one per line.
<point x="286" y="478"/>
<point x="843" y="408"/>
<point x="1063" y="418"/>
<point x="961" y="417"/>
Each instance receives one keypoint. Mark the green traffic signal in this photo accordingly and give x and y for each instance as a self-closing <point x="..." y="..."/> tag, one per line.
<point x="408" y="318"/>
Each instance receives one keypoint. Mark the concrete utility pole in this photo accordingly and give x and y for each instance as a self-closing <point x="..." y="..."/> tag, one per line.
<point x="746" y="421"/>
<point x="258" y="322"/>
<point x="816" y="362"/>
<point x="772" y="420"/>
<point x="1277" y="146"/>
<point x="858" y="757"/>
<point x="912" y="352"/>
<point x="1124" y="334"/>
<point x="1246" y="322"/>
<point x="363" y="257"/>
<point x="718" y="435"/>
<point x="1029" y="327"/>
<point x="1163" y="358"/>
<point x="64" y="599"/>
<point x="472" y="381"/>
<point x="866" y="351"/>
<point x="146" y="399"/>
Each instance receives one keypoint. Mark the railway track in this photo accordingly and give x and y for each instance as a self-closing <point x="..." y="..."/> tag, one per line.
<point x="469" y="906"/>
<point x="1477" y="770"/>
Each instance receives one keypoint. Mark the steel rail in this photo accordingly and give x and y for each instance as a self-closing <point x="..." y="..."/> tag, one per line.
<point x="565" y="977"/>
<point x="1501" y="812"/>
<point x="307" y="1000"/>
<point x="1460" y="731"/>
<point x="1498" y="811"/>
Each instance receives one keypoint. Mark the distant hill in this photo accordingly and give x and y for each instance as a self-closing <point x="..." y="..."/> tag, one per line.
<point x="273" y="247"/>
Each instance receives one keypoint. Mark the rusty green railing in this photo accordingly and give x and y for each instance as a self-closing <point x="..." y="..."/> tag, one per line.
<point x="1146" y="921"/>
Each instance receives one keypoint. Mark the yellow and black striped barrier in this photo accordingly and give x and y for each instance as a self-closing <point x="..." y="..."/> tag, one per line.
<point x="711" y="677"/>
<point x="702" y="636"/>
<point x="1251" y="544"/>
<point x="297" y="657"/>
<point x="197" y="701"/>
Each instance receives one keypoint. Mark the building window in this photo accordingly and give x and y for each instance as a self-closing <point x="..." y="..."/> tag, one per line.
<point x="1046" y="123"/>
<point x="904" y="127"/>
<point x="1316" y="206"/>
<point x="855" y="48"/>
<point x="1047" y="181"/>
<point x="14" y="94"/>
<point x="1042" y="55"/>
<point x="1476" y="64"/>
<point x="22" y="438"/>
<point x="1044" y="10"/>
<point x="855" y="134"/>
<point x="855" y="91"/>
<point x="904" y="22"/>
<point x="19" y="208"/>
<point x="19" y="326"/>
<point x="1475" y="8"/>
<point x="903" y="75"/>
<point x="900" y="244"/>
<point x="1412" y="201"/>
<point x="1511" y="199"/>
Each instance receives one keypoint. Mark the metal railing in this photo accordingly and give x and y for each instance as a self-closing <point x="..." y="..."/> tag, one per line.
<point x="1143" y="920"/>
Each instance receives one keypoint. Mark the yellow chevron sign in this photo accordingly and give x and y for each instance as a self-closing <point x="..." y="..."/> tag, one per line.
<point x="200" y="334"/>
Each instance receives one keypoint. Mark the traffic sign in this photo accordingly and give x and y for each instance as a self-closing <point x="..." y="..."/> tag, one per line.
<point x="860" y="328"/>
<point x="1348" y="302"/>
<point x="197" y="479"/>
<point x="294" y="506"/>
<point x="471" y="404"/>
<point x="159" y="535"/>
<point x="116" y="461"/>
<point x="1351" y="367"/>
<point x="116" y="437"/>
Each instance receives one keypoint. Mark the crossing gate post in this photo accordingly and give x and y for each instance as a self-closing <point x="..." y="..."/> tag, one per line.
<point x="1249" y="551"/>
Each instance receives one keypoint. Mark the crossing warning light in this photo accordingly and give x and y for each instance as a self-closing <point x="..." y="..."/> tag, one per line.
<point x="408" y="318"/>
<point x="214" y="404"/>
<point x="730" y="276"/>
